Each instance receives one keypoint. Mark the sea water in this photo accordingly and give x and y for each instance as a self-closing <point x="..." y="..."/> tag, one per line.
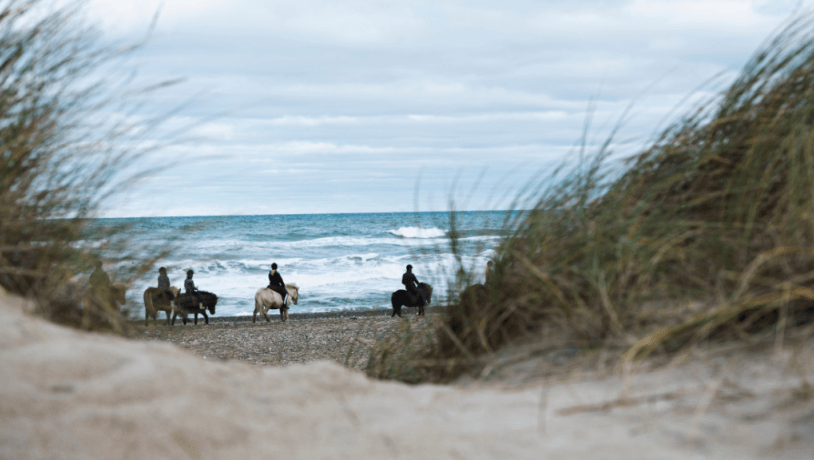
<point x="339" y="261"/>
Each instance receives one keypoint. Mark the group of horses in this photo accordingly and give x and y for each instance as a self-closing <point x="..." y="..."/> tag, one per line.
<point x="176" y="304"/>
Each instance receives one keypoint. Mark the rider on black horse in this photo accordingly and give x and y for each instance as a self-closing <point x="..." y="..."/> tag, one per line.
<point x="189" y="286"/>
<point x="411" y="283"/>
<point x="276" y="283"/>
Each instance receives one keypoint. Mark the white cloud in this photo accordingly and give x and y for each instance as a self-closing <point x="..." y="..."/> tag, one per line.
<point x="380" y="90"/>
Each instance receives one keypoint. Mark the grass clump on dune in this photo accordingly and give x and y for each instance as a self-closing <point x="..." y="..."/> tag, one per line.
<point x="707" y="233"/>
<point x="64" y="133"/>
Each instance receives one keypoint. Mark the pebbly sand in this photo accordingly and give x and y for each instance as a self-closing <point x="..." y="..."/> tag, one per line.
<point x="343" y="337"/>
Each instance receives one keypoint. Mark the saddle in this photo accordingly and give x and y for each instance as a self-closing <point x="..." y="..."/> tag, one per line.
<point x="277" y="289"/>
<point x="416" y="299"/>
<point x="189" y="302"/>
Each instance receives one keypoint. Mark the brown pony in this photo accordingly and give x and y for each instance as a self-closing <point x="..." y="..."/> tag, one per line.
<point x="117" y="298"/>
<point x="157" y="299"/>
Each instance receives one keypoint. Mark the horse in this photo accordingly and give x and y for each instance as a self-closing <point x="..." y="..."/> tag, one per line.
<point x="156" y="299"/>
<point x="117" y="298"/>
<point x="266" y="299"/>
<point x="185" y="304"/>
<point x="403" y="298"/>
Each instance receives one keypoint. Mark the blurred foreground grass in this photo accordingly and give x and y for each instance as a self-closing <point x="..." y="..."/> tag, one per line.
<point x="704" y="235"/>
<point x="68" y="139"/>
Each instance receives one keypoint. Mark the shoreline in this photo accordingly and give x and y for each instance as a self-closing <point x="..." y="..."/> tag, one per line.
<point x="275" y="315"/>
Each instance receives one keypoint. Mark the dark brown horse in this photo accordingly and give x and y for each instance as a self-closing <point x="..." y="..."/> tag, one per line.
<point x="403" y="298"/>
<point x="193" y="304"/>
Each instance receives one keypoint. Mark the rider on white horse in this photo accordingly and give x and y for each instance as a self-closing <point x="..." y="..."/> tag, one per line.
<point x="276" y="282"/>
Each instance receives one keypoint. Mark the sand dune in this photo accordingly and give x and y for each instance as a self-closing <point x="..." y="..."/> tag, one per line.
<point x="71" y="395"/>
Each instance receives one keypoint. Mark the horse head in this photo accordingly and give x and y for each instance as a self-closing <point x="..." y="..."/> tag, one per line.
<point x="293" y="292"/>
<point x="117" y="292"/>
<point x="209" y="300"/>
<point x="428" y="290"/>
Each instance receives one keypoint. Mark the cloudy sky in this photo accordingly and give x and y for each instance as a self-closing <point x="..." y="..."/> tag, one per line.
<point x="319" y="106"/>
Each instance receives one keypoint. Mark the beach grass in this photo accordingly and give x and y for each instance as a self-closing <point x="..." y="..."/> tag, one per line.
<point x="704" y="235"/>
<point x="69" y="146"/>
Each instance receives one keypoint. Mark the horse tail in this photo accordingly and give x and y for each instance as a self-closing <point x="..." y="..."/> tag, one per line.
<point x="395" y="300"/>
<point x="149" y="308"/>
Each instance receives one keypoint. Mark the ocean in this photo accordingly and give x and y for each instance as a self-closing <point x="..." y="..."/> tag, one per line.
<point x="339" y="261"/>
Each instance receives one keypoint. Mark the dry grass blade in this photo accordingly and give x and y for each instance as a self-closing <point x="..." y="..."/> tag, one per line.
<point x="65" y="151"/>
<point x="718" y="211"/>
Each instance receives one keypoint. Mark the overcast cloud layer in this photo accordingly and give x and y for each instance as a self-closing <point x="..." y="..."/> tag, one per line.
<point x="313" y="106"/>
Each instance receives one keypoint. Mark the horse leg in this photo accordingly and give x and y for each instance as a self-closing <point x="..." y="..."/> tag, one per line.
<point x="265" y="313"/>
<point x="196" y="319"/>
<point x="206" y="318"/>
<point x="283" y="314"/>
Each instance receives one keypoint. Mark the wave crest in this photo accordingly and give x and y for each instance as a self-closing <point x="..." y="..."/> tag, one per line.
<point x="418" y="232"/>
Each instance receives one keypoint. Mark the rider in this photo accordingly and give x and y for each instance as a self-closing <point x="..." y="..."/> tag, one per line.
<point x="164" y="281"/>
<point x="488" y="273"/>
<point x="189" y="285"/>
<point x="411" y="283"/>
<point x="100" y="282"/>
<point x="276" y="283"/>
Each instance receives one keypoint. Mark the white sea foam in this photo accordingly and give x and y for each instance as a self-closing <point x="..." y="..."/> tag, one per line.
<point x="339" y="263"/>
<point x="418" y="232"/>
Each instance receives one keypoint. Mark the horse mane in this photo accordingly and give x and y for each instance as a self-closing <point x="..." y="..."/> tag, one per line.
<point x="294" y="285"/>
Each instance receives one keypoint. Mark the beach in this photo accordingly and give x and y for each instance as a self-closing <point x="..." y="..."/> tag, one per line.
<point x="344" y="337"/>
<point x="71" y="394"/>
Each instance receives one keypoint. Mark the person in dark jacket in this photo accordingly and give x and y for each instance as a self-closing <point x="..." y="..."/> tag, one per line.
<point x="99" y="281"/>
<point x="411" y="283"/>
<point x="164" y="281"/>
<point x="276" y="282"/>
<point x="189" y="285"/>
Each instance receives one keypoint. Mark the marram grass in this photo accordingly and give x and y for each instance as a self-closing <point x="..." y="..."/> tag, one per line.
<point x="718" y="212"/>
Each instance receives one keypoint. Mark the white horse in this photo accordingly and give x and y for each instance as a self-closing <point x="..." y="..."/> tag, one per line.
<point x="157" y="299"/>
<point x="266" y="299"/>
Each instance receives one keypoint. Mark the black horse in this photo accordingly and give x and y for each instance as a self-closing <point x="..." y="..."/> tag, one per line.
<point x="403" y="298"/>
<point x="188" y="304"/>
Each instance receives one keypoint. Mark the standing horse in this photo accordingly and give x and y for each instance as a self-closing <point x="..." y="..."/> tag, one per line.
<point x="188" y="303"/>
<point x="266" y="299"/>
<point x="403" y="298"/>
<point x="156" y="299"/>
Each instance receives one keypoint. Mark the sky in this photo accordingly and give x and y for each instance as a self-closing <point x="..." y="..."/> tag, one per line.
<point x="318" y="106"/>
